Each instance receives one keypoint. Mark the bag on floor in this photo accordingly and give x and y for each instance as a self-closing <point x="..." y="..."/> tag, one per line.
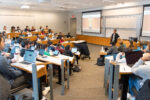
<point x="76" y="69"/>
<point x="100" y="61"/>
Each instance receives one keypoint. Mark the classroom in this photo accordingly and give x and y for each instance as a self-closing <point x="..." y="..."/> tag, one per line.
<point x="74" y="50"/>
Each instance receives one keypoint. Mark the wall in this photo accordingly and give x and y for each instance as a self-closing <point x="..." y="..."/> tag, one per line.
<point x="57" y="21"/>
<point x="127" y="20"/>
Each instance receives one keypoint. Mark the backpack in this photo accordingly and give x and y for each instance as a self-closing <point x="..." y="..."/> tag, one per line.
<point x="100" y="61"/>
<point x="76" y="69"/>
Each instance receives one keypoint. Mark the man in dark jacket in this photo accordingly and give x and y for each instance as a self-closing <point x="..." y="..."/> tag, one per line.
<point x="114" y="37"/>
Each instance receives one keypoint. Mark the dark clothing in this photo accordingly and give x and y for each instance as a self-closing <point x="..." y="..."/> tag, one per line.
<point x="59" y="37"/>
<point x="114" y="38"/>
<point x="67" y="51"/>
<point x="112" y="50"/>
<point x="68" y="36"/>
<point x="22" y="52"/>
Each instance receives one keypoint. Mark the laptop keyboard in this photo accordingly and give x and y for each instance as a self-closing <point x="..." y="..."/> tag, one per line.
<point x="26" y="63"/>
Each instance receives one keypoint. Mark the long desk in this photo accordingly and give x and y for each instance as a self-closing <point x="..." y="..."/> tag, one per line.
<point x="112" y="72"/>
<point x="102" y="40"/>
<point x="60" y="61"/>
<point x="37" y="70"/>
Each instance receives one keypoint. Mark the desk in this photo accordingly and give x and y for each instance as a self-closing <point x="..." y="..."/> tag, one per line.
<point x="37" y="70"/>
<point x="60" y="62"/>
<point x="116" y="69"/>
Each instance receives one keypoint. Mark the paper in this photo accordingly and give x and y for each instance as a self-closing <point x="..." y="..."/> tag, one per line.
<point x="124" y="68"/>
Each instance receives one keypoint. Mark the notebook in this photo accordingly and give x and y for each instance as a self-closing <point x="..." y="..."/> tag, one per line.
<point x="133" y="56"/>
<point x="29" y="57"/>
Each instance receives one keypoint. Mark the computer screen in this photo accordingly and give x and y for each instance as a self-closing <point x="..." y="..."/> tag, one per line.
<point x="56" y="52"/>
<point x="73" y="50"/>
<point x="30" y="56"/>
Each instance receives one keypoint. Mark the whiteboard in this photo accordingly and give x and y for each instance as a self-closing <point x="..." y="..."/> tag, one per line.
<point x="16" y="20"/>
<point x="122" y="22"/>
<point x="124" y="34"/>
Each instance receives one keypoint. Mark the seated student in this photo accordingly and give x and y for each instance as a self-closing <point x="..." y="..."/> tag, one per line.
<point x="40" y="29"/>
<point x="121" y="45"/>
<point x="14" y="76"/>
<point x="50" y="46"/>
<point x="27" y="29"/>
<point x="121" y="56"/>
<point x="32" y="45"/>
<point x="33" y="29"/>
<point x="13" y="29"/>
<point x="59" y="35"/>
<point x="113" y="50"/>
<point x="25" y="46"/>
<point x="68" y="52"/>
<point x="46" y="52"/>
<point x="68" y="35"/>
<point x="54" y="36"/>
<point x="5" y="31"/>
<point x="147" y="48"/>
<point x="61" y="40"/>
<point x="60" y="48"/>
<point x="142" y="72"/>
<point x="18" y="30"/>
<point x="49" y="32"/>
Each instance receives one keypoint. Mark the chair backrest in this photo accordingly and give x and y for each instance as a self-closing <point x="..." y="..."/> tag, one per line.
<point x="4" y="88"/>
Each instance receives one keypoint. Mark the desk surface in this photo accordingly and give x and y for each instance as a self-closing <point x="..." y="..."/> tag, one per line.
<point x="103" y="53"/>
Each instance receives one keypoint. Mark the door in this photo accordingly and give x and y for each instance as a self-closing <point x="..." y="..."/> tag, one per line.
<point x="73" y="26"/>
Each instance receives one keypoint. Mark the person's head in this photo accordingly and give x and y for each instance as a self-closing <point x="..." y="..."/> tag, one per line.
<point x="2" y="42"/>
<point x="115" y="31"/>
<point x="5" y="28"/>
<point x="40" y="27"/>
<point x="49" y="31"/>
<point x="18" y="27"/>
<point x="13" y="29"/>
<point x="60" y="33"/>
<point x="121" y="42"/>
<point x="68" y="33"/>
<point x="46" y="27"/>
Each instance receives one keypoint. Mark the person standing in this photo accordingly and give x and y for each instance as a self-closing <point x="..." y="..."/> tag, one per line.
<point x="114" y="37"/>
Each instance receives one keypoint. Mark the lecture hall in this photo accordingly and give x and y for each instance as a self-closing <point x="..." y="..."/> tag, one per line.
<point x="74" y="49"/>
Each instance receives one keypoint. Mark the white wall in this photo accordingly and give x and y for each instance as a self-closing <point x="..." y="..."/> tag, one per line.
<point x="129" y="27"/>
<point x="57" y="21"/>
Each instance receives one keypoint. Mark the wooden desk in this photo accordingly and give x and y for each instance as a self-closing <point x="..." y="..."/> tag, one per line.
<point x="103" y="53"/>
<point x="37" y="70"/>
<point x="60" y="62"/>
<point x="116" y="69"/>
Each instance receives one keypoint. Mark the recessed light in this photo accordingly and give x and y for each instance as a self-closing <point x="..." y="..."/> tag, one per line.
<point x="25" y="7"/>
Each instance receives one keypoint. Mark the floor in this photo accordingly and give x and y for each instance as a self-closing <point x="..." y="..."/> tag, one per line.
<point x="87" y="84"/>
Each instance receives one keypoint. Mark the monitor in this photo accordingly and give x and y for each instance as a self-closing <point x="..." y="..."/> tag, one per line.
<point x="74" y="50"/>
<point x="56" y="52"/>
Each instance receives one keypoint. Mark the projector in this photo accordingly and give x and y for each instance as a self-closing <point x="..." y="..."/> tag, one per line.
<point x="44" y="1"/>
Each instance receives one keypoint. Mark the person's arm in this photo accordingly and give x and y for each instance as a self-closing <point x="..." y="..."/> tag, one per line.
<point x="7" y="69"/>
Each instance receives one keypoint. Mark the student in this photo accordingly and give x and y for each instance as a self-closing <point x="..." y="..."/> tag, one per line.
<point x="46" y="52"/>
<point x="121" y="46"/>
<point x="13" y="29"/>
<point x="142" y="72"/>
<point x="14" y="76"/>
<point x="59" y="36"/>
<point x="40" y="29"/>
<point x="61" y="40"/>
<point x="18" y="30"/>
<point x="120" y="58"/>
<point x="5" y="31"/>
<point x="25" y="46"/>
<point x="147" y="48"/>
<point x="60" y="48"/>
<point x="112" y="50"/>
<point x="49" y="32"/>
<point x="68" y="35"/>
<point x="50" y="46"/>
<point x="54" y="36"/>
<point x="33" y="29"/>
<point x="114" y="37"/>
<point x="27" y="29"/>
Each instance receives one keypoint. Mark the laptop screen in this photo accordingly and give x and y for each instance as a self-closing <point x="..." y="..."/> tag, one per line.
<point x="41" y="52"/>
<point x="133" y="56"/>
<point x="30" y="56"/>
<point x="73" y="50"/>
<point x="56" y="52"/>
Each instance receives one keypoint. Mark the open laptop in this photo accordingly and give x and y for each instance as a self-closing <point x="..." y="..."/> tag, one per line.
<point x="29" y="57"/>
<point x="55" y="53"/>
<point x="41" y="52"/>
<point x="74" y="50"/>
<point x="132" y="57"/>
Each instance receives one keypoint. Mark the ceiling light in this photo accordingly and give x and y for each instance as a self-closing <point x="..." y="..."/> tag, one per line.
<point x="25" y="7"/>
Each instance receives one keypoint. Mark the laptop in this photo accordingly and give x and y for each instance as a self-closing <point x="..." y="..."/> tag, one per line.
<point x="133" y="56"/>
<point x="41" y="52"/>
<point x="55" y="53"/>
<point x="29" y="57"/>
<point x="74" y="50"/>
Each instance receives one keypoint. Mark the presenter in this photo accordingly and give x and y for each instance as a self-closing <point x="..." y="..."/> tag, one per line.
<point x="114" y="37"/>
